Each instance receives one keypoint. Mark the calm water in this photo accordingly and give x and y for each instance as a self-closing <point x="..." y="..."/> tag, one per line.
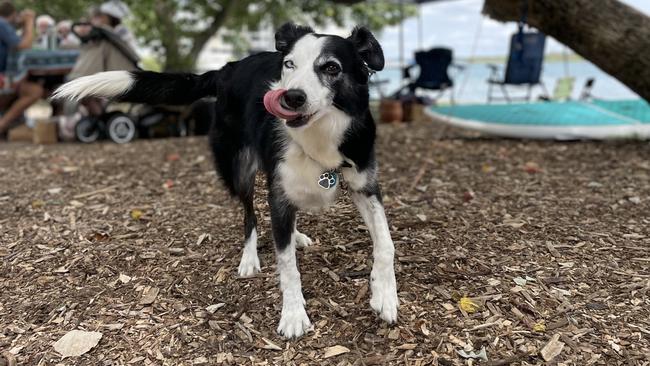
<point x="471" y="85"/>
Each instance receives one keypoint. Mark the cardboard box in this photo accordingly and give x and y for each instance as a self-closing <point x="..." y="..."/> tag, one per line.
<point x="45" y="132"/>
<point x="20" y="133"/>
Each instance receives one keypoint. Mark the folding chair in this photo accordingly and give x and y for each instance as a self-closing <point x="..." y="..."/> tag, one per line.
<point x="434" y="73"/>
<point x="524" y="67"/>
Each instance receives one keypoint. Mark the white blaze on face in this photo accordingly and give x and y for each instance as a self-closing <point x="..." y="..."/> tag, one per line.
<point x="304" y="56"/>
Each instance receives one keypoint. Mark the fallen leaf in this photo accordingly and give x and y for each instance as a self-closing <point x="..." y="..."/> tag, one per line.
<point x="149" y="295"/>
<point x="468" y="305"/>
<point x="37" y="203"/>
<point x="636" y="200"/>
<point x="539" y="327"/>
<point x="56" y="190"/>
<point x="335" y="351"/>
<point x="552" y="349"/>
<point x="136" y="214"/>
<point x="124" y="278"/>
<point x="520" y="281"/>
<point x="76" y="343"/>
<point x="173" y="157"/>
<point x="98" y="236"/>
<point x="531" y="167"/>
<point x="168" y="184"/>
<point x="493" y="282"/>
<point x="468" y="195"/>
<point x="481" y="355"/>
<point x="393" y="334"/>
<point x="487" y="168"/>
<point x="212" y="308"/>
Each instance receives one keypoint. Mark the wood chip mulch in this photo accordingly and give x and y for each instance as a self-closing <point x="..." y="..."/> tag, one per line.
<point x="508" y="252"/>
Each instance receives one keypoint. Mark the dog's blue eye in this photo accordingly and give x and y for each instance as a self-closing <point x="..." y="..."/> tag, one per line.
<point x="289" y="64"/>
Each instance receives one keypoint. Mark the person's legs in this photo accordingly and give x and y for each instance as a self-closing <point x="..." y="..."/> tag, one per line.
<point x="94" y="106"/>
<point x="28" y="94"/>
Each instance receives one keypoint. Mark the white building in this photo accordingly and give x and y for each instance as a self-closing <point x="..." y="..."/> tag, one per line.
<point x="218" y="51"/>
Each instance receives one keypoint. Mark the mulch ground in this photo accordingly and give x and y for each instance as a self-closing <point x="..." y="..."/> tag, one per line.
<point x="533" y="251"/>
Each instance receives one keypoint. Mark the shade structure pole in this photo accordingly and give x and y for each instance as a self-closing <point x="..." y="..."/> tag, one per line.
<point x="419" y="26"/>
<point x="401" y="36"/>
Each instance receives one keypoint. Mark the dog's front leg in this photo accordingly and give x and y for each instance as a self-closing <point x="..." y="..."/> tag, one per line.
<point x="294" y="320"/>
<point x="367" y="197"/>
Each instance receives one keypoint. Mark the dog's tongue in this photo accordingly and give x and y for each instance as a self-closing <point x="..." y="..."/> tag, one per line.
<point x="273" y="105"/>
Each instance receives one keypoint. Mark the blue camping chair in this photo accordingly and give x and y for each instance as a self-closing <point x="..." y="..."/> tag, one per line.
<point x="524" y="66"/>
<point x="434" y="67"/>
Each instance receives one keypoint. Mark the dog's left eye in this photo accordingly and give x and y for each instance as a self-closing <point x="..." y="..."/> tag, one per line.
<point x="331" y="68"/>
<point x="289" y="64"/>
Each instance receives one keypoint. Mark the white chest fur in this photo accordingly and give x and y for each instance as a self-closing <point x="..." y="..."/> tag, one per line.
<point x="309" y="152"/>
<point x="298" y="174"/>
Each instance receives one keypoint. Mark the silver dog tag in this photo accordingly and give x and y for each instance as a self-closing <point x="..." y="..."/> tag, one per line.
<point x="328" y="180"/>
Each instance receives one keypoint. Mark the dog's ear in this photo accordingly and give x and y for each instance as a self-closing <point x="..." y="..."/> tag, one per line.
<point x="368" y="48"/>
<point x="288" y="34"/>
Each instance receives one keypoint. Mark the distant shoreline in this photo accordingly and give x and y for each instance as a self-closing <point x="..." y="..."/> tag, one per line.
<point x="500" y="60"/>
<point x="551" y="57"/>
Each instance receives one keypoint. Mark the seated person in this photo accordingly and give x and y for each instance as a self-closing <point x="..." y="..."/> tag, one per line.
<point x="28" y="92"/>
<point x="98" y="53"/>
<point x="65" y="37"/>
<point x="44" y="32"/>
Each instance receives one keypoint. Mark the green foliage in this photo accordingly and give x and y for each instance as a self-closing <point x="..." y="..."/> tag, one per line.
<point x="177" y="30"/>
<point x="59" y="9"/>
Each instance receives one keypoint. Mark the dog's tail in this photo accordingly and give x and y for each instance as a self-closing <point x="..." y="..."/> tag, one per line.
<point x="142" y="87"/>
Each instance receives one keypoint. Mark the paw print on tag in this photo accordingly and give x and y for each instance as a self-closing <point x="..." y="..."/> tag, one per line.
<point x="327" y="180"/>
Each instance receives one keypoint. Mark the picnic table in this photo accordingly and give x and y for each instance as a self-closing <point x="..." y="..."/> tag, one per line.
<point x="39" y="63"/>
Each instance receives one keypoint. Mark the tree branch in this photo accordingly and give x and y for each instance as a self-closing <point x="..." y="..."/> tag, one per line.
<point x="219" y="19"/>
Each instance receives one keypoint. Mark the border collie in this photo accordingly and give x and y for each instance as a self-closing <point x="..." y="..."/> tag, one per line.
<point x="301" y="116"/>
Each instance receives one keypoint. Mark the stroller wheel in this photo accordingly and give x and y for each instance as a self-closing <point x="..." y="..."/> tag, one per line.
<point x="87" y="130"/>
<point x="121" y="128"/>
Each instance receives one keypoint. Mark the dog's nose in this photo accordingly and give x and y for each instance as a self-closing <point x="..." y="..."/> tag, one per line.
<point x="294" y="98"/>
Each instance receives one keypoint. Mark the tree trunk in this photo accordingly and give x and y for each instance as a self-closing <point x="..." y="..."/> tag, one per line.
<point x="612" y="35"/>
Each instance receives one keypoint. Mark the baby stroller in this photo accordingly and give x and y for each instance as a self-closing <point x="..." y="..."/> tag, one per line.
<point x="116" y="122"/>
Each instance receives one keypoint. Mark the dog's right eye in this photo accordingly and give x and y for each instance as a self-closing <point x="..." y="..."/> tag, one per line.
<point x="289" y="64"/>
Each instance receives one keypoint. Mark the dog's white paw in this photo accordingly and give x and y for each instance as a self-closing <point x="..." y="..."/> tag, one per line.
<point x="302" y="240"/>
<point x="294" y="322"/>
<point x="249" y="264"/>
<point x="384" y="295"/>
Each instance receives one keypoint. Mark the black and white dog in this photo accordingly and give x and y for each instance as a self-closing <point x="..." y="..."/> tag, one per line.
<point x="301" y="116"/>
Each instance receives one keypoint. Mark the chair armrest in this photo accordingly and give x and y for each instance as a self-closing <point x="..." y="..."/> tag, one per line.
<point x="406" y="71"/>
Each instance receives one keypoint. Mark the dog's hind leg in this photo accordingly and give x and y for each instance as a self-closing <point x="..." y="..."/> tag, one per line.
<point x="245" y="187"/>
<point x="294" y="320"/>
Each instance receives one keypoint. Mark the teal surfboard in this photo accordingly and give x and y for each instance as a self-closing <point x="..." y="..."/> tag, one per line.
<point x="552" y="120"/>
